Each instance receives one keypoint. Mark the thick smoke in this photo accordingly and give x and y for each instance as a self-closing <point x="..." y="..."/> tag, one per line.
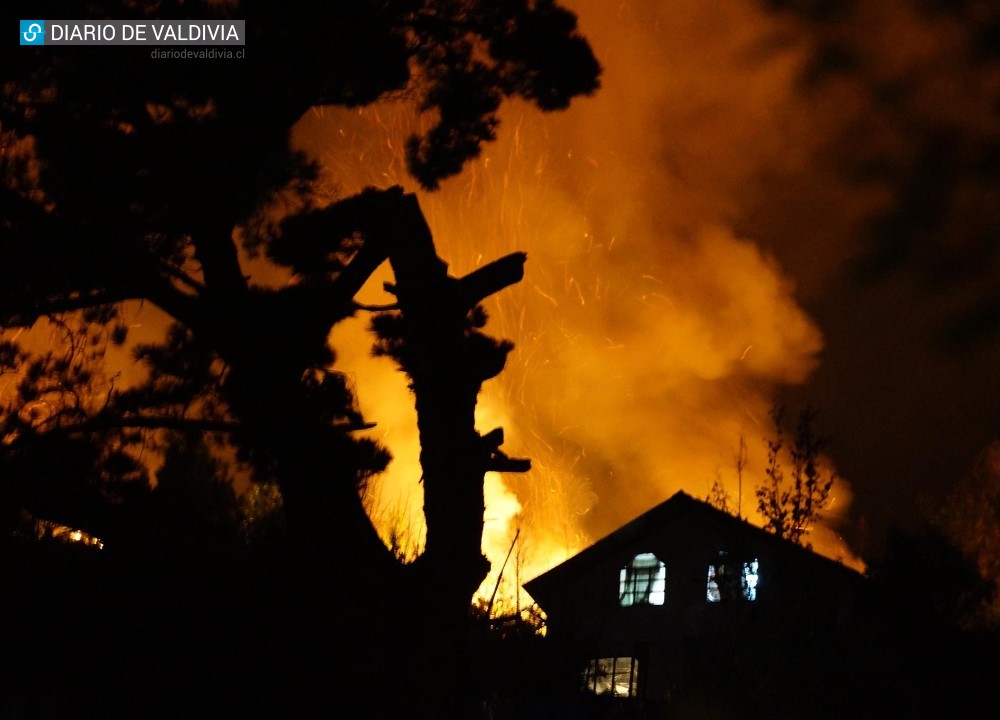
<point x="649" y="333"/>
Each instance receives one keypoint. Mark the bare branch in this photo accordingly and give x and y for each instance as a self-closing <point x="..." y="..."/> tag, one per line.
<point x="178" y="274"/>
<point x="376" y="308"/>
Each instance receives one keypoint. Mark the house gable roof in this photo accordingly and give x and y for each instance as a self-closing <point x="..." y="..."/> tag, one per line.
<point x="678" y="505"/>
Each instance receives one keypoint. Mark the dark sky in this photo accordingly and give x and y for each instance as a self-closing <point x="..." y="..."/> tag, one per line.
<point x="909" y="382"/>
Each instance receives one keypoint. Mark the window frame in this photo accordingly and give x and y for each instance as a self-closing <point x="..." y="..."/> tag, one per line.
<point x="606" y="671"/>
<point x="750" y="580"/>
<point x="721" y="585"/>
<point x="643" y="581"/>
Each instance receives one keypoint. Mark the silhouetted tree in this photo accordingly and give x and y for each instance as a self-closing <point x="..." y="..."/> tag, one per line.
<point x="970" y="518"/>
<point x="194" y="489"/>
<point x="129" y="179"/>
<point x="50" y="470"/>
<point x="261" y="515"/>
<point x="933" y="652"/>
<point x="792" y="506"/>
<point x="718" y="496"/>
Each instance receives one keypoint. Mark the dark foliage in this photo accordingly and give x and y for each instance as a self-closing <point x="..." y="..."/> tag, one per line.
<point x="127" y="178"/>
<point x="792" y="505"/>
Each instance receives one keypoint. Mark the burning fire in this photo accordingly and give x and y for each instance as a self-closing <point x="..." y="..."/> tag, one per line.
<point x="648" y="334"/>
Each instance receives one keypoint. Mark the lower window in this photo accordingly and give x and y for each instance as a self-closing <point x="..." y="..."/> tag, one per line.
<point x="616" y="676"/>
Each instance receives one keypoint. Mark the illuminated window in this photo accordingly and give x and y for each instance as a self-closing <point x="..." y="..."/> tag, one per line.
<point x="643" y="581"/>
<point x="749" y="580"/>
<point x="721" y="585"/>
<point x="617" y="676"/>
<point x="718" y="585"/>
<point x="713" y="594"/>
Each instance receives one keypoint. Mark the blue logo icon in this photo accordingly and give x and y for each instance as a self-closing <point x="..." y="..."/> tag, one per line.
<point x="32" y="32"/>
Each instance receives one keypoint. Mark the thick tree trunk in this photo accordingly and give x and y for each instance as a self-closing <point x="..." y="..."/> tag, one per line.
<point x="447" y="360"/>
<point x="379" y="605"/>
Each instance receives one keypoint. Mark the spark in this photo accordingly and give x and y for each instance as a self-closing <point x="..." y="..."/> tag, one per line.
<point x="546" y="296"/>
<point x="568" y="209"/>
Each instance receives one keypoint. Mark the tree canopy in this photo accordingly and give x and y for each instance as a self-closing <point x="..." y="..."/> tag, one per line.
<point x="128" y="178"/>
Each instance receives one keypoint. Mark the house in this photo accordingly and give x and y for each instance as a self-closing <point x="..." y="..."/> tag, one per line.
<point x="689" y="599"/>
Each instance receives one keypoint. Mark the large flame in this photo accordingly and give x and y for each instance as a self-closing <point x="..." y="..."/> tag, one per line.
<point x="649" y="335"/>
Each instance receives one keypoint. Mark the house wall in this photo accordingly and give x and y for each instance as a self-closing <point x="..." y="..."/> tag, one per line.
<point x="688" y="636"/>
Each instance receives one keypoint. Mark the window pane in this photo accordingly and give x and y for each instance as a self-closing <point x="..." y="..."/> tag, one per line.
<point x="713" y="594"/>
<point x="623" y="591"/>
<point x="749" y="580"/>
<point x="613" y="676"/>
<point x="658" y="590"/>
<point x="643" y="581"/>
<point x="645" y="560"/>
<point x="622" y="685"/>
<point x="599" y="676"/>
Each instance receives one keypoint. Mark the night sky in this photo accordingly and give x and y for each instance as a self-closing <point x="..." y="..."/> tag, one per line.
<point x="905" y="190"/>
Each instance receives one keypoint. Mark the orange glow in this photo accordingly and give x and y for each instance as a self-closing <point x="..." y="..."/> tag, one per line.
<point x="648" y="333"/>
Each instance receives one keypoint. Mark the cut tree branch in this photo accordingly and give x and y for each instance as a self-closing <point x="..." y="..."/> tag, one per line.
<point x="491" y="278"/>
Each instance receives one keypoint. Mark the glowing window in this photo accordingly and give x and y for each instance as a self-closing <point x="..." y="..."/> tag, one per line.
<point x="749" y="580"/>
<point x="718" y="585"/>
<point x="643" y="581"/>
<point x="713" y="595"/>
<point x="721" y="582"/>
<point x="618" y="676"/>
